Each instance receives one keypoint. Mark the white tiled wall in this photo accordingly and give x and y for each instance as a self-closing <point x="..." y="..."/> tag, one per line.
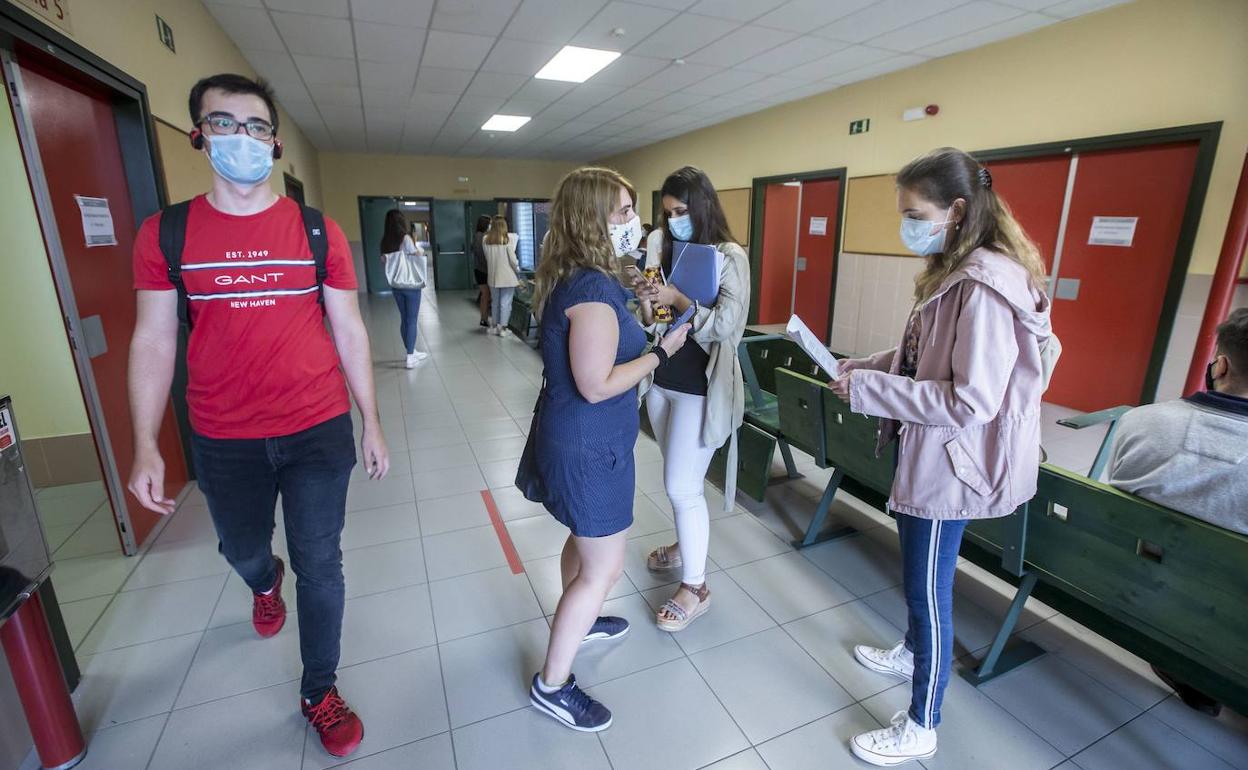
<point x="874" y="296"/>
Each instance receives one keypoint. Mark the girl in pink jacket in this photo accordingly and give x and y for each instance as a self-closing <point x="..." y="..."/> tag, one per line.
<point x="961" y="394"/>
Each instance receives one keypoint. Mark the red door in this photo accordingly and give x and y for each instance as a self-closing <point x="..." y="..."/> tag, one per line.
<point x="816" y="255"/>
<point x="1109" y="322"/>
<point x="775" y="280"/>
<point x="81" y="155"/>
<point x="1034" y="189"/>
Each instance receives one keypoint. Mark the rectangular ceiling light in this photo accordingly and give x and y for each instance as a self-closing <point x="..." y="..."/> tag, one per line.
<point x="576" y="65"/>
<point x="505" y="122"/>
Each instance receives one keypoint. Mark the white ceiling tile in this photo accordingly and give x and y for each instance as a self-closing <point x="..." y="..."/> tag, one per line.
<point x="898" y="62"/>
<point x="422" y="102"/>
<point x="383" y="123"/>
<point x="426" y="121"/>
<point x="399" y="76"/>
<point x="562" y="112"/>
<point x="963" y="19"/>
<point x="737" y="10"/>
<point x="388" y="42"/>
<point x="675" y="77"/>
<point x="336" y="96"/>
<point x="379" y="99"/>
<point x="804" y="15"/>
<point x="316" y="35"/>
<point x="544" y="91"/>
<point x="322" y="70"/>
<point x="435" y="80"/>
<point x="479" y="107"/>
<point x="247" y="27"/>
<point x="590" y="94"/>
<point x="302" y="111"/>
<point x="844" y="60"/>
<point x="785" y="57"/>
<point x="678" y="101"/>
<point x="481" y="17"/>
<point x="674" y="5"/>
<point x="522" y="107"/>
<point x="344" y="125"/>
<point x="455" y="50"/>
<point x="274" y="67"/>
<point x="409" y="13"/>
<point x="603" y="113"/>
<point x="769" y="86"/>
<point x="1017" y="26"/>
<point x="498" y="84"/>
<point x="551" y="21"/>
<point x="385" y="144"/>
<point x="682" y="36"/>
<point x="1072" y="8"/>
<point x="883" y="16"/>
<point x="743" y="44"/>
<point x="336" y="8"/>
<point x="637" y="21"/>
<point x="518" y="56"/>
<point x="629" y="70"/>
<point x="725" y="82"/>
<point x="634" y="98"/>
<point x="293" y="90"/>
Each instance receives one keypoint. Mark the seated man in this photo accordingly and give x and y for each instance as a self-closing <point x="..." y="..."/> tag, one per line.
<point x="1191" y="455"/>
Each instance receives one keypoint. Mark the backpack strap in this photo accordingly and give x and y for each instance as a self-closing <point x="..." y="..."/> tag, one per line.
<point x="172" y="241"/>
<point x="318" y="241"/>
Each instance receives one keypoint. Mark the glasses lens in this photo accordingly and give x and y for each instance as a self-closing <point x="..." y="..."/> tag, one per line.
<point x="257" y="129"/>
<point x="219" y="124"/>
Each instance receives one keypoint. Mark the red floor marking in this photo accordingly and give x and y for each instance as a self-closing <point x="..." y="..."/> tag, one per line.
<point x="500" y="529"/>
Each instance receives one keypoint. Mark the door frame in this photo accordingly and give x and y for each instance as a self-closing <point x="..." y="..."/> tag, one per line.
<point x="359" y="202"/>
<point x="758" y="188"/>
<point x="137" y="141"/>
<point x="1206" y="136"/>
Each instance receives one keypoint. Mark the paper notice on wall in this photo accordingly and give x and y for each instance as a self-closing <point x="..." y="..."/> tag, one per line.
<point x="1112" y="231"/>
<point x="818" y="225"/>
<point x="799" y="332"/>
<point x="6" y="429"/>
<point x="97" y="221"/>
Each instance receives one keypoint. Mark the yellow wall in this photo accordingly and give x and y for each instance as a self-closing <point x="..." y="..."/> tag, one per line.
<point x="1145" y="65"/>
<point x="348" y="175"/>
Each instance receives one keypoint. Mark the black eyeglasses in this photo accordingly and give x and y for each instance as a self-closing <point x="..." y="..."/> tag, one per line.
<point x="222" y="125"/>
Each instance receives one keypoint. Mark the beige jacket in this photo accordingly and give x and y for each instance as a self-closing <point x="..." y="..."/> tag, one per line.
<point x="718" y="329"/>
<point x="502" y="268"/>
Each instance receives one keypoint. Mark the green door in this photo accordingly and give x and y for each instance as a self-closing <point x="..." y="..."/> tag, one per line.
<point x="372" y="226"/>
<point x="452" y="257"/>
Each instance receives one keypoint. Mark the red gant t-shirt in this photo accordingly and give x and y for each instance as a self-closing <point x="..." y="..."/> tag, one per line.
<point x="260" y="360"/>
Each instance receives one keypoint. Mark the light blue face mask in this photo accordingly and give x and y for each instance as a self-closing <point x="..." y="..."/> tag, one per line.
<point x="681" y="227"/>
<point x="917" y="235"/>
<point x="240" y="159"/>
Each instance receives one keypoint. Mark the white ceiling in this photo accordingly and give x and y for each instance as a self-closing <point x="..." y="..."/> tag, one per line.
<point x="421" y="76"/>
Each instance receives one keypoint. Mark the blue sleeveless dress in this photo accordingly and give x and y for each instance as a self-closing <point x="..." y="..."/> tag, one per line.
<point x="584" y="450"/>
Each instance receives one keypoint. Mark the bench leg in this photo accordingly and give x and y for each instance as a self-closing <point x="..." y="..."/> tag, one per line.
<point x="821" y="514"/>
<point x="789" y="466"/>
<point x="999" y="661"/>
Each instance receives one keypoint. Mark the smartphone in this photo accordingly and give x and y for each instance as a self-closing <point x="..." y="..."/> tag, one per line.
<point x="634" y="274"/>
<point x="684" y="318"/>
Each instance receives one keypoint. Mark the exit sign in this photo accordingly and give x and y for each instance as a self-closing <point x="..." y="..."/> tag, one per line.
<point x="860" y="126"/>
<point x="166" y="33"/>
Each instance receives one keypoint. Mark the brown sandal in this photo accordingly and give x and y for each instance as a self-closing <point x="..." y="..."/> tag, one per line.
<point x="664" y="558"/>
<point x="680" y="618"/>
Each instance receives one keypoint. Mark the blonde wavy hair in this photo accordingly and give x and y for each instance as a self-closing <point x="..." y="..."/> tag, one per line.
<point x="497" y="234"/>
<point x="577" y="236"/>
<point x="946" y="174"/>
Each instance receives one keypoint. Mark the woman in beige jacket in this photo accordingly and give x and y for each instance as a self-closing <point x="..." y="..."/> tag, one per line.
<point x="696" y="400"/>
<point x="502" y="273"/>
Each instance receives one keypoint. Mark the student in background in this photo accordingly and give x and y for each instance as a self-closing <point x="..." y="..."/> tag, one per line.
<point x="502" y="273"/>
<point x="695" y="401"/>
<point x="480" y="269"/>
<point x="404" y="263"/>
<point x="961" y="393"/>
<point x="594" y="353"/>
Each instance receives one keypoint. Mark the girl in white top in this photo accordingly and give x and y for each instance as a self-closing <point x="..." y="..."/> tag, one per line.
<point x="502" y="273"/>
<point x="404" y="262"/>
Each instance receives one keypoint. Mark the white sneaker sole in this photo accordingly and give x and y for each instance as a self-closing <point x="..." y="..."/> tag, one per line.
<point x="606" y="637"/>
<point x="885" y="760"/>
<point x="866" y="662"/>
<point x="538" y="704"/>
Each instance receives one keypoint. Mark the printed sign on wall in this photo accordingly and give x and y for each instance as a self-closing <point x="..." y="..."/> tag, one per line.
<point x="818" y="225"/>
<point x="97" y="221"/>
<point x="1112" y="231"/>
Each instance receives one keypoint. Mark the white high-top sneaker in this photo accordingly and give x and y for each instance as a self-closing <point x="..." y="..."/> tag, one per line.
<point x="415" y="358"/>
<point x="900" y="742"/>
<point x="898" y="661"/>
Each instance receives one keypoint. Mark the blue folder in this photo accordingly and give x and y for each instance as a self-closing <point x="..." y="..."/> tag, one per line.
<point x="695" y="271"/>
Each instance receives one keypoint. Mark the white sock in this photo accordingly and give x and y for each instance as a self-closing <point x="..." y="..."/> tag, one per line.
<point x="548" y="688"/>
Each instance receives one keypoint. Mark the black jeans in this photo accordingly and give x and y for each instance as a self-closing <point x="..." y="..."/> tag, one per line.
<point x="241" y="479"/>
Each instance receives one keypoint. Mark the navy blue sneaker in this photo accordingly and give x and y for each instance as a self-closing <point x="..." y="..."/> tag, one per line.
<point x="570" y="706"/>
<point x="607" y="629"/>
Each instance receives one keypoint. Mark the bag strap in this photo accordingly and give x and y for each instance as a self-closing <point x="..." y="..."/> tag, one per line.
<point x="172" y="241"/>
<point x="318" y="241"/>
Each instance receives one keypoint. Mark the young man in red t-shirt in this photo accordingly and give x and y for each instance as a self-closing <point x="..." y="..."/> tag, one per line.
<point x="266" y="389"/>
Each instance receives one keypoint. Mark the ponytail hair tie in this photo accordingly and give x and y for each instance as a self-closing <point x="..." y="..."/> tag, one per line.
<point x="985" y="178"/>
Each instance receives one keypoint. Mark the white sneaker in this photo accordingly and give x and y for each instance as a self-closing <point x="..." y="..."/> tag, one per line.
<point x="415" y="358"/>
<point x="492" y="331"/>
<point x="902" y="741"/>
<point x="898" y="661"/>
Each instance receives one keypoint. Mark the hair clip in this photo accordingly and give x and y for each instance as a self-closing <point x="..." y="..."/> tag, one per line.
<point x="985" y="178"/>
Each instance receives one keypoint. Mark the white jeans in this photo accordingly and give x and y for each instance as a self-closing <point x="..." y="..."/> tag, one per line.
<point x="501" y="297"/>
<point x="677" y="422"/>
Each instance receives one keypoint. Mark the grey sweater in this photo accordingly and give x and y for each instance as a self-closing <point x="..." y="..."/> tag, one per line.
<point x="1189" y="455"/>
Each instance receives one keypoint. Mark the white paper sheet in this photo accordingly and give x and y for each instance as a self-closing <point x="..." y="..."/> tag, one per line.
<point x="97" y="221"/>
<point x="800" y="333"/>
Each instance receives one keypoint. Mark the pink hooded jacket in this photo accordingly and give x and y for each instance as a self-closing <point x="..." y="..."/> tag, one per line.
<point x="969" y="421"/>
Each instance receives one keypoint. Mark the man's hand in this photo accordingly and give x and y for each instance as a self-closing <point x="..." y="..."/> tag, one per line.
<point x="376" y="455"/>
<point x="147" y="482"/>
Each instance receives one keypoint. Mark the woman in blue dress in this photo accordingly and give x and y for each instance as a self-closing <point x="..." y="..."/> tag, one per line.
<point x="594" y="353"/>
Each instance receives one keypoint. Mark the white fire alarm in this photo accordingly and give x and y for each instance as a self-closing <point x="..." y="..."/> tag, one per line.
<point x="919" y="113"/>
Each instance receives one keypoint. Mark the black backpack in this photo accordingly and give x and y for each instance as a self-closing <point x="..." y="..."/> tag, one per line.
<point x="173" y="239"/>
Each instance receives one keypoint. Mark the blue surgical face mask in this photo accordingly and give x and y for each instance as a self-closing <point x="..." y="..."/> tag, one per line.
<point x="681" y="227"/>
<point x="917" y="235"/>
<point x="240" y="159"/>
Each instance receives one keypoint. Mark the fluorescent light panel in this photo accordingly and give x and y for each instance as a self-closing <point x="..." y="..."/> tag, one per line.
<point x="505" y="122"/>
<point x="576" y="65"/>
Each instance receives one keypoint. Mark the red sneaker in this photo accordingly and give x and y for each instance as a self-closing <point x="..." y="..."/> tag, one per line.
<point x="340" y="729"/>
<point x="268" y="611"/>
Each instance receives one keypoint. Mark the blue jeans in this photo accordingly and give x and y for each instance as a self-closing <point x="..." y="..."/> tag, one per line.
<point x="241" y="479"/>
<point x="929" y="560"/>
<point x="500" y="308"/>
<point x="408" y="301"/>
